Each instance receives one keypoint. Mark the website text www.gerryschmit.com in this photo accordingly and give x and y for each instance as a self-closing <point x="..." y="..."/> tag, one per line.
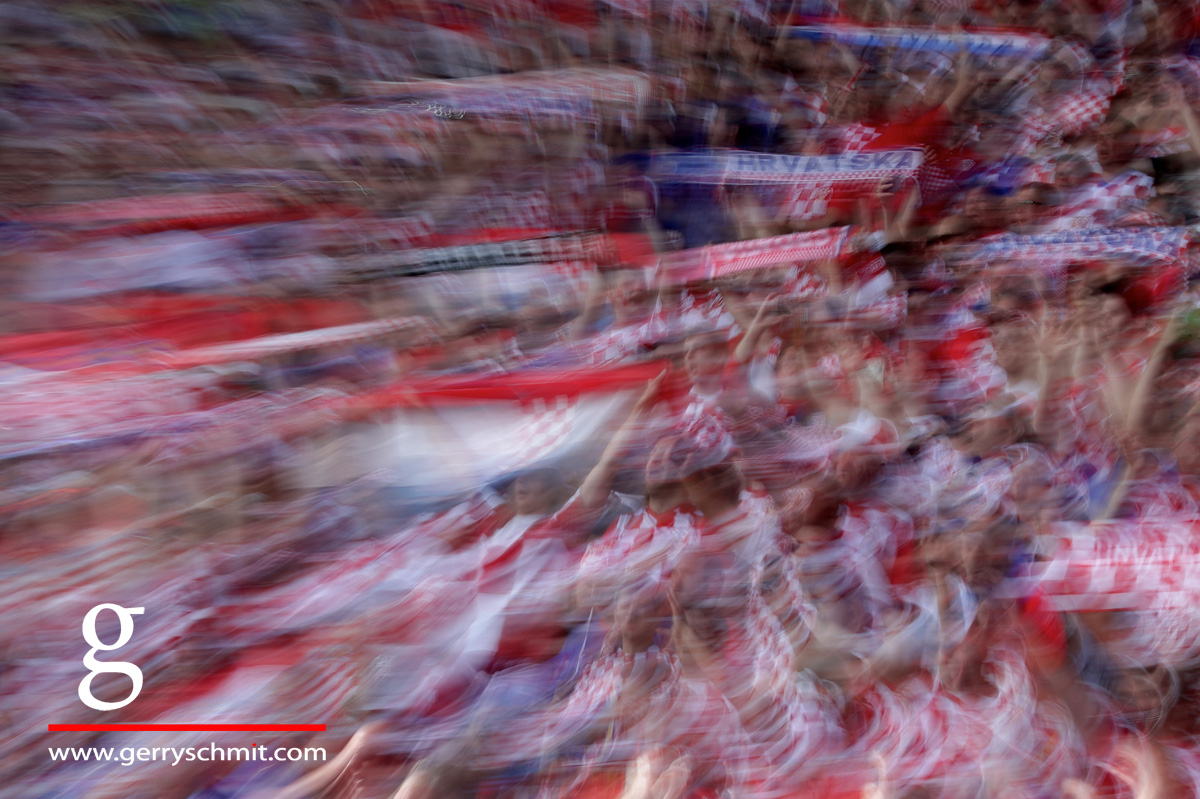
<point x="127" y="756"/>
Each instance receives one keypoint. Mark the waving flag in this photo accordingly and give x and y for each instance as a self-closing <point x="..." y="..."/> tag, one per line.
<point x="266" y="346"/>
<point x="707" y="263"/>
<point x="167" y="212"/>
<point x="1124" y="566"/>
<point x="1149" y="245"/>
<point x="1146" y="569"/>
<point x="453" y="434"/>
<point x="806" y="186"/>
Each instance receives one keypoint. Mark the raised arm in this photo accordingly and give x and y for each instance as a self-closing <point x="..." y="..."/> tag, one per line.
<point x="964" y="83"/>
<point x="596" y="487"/>
<point x="899" y="228"/>
<point x="1058" y="348"/>
<point x="1135" y="417"/>
<point x="754" y="331"/>
<point x="319" y="779"/>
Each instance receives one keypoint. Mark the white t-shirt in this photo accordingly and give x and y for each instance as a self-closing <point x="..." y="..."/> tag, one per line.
<point x="512" y="531"/>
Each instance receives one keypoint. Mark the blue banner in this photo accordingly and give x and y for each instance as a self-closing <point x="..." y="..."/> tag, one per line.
<point x="987" y="45"/>
<point x="737" y="166"/>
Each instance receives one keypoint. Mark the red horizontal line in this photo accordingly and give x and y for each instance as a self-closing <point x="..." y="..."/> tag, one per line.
<point x="187" y="728"/>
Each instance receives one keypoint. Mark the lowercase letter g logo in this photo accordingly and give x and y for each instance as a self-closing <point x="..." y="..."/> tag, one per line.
<point x="125" y="615"/>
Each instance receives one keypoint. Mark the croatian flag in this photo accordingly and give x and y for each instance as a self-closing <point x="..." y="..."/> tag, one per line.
<point x="1147" y="245"/>
<point x="447" y="436"/>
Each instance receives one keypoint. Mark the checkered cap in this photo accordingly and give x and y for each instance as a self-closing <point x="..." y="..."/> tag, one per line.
<point x="696" y="444"/>
<point x="799" y="451"/>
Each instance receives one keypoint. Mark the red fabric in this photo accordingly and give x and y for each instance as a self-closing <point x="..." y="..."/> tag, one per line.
<point x="570" y="12"/>
<point x="1152" y="288"/>
<point x="860" y="267"/>
<point x="310" y="314"/>
<point x="514" y="386"/>
<point x="482" y="528"/>
<point x="200" y="329"/>
<point x="907" y="568"/>
<point x="187" y="320"/>
<point x="529" y="643"/>
<point x="943" y="166"/>
<point x="928" y="128"/>
<point x="1042" y="618"/>
<point x="630" y="249"/>
<point x="497" y="577"/>
<point x="487" y="235"/>
<point x="142" y="215"/>
<point x="29" y="343"/>
<point x="605" y="785"/>
<point x="961" y="348"/>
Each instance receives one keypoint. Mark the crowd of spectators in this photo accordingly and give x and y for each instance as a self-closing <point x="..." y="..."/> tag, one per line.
<point x="885" y="309"/>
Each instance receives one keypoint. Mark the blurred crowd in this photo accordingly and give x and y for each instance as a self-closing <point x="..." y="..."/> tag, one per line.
<point x="655" y="399"/>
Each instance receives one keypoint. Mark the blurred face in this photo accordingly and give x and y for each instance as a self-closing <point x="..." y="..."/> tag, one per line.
<point x="716" y="482"/>
<point x="990" y="432"/>
<point x="1140" y="697"/>
<point x="912" y="371"/>
<point x="639" y="617"/>
<point x="1032" y="488"/>
<point x="696" y="584"/>
<point x="1072" y="174"/>
<point x="1028" y="208"/>
<point x="705" y="357"/>
<point x="532" y="494"/>
<point x="976" y="205"/>
<point x="789" y="373"/>
<point x="629" y="293"/>
<point x="984" y="560"/>
<point x="660" y="467"/>
<point x="708" y="625"/>
<point x="1114" y="316"/>
<point x="1014" y="342"/>
<point x="855" y="468"/>
<point x="1158" y="89"/>
<point x="764" y="286"/>
<point x="1052" y="73"/>
<point x="962" y="667"/>
<point x="1106" y="150"/>
<point x="997" y="136"/>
